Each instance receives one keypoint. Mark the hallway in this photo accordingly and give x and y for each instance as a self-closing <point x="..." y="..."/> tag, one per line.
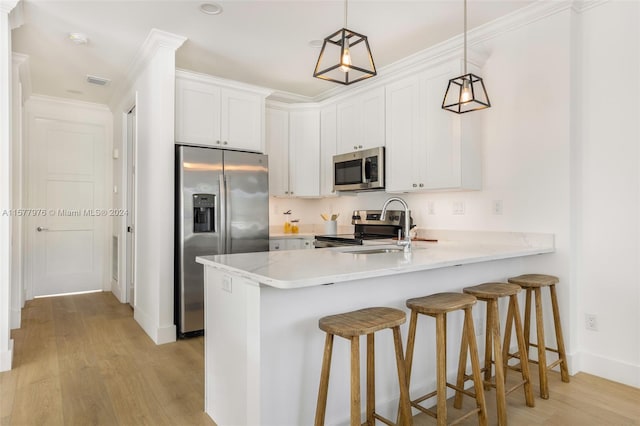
<point x="83" y="360"/>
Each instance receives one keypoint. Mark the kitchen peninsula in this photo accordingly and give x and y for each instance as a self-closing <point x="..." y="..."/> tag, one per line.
<point x="263" y="348"/>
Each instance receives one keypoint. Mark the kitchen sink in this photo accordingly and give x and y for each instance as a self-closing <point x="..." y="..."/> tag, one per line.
<point x="374" y="250"/>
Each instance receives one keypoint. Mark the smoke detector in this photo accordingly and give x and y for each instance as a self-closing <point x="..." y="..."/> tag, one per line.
<point x="100" y="81"/>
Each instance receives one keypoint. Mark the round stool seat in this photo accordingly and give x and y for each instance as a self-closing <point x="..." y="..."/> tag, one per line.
<point x="492" y="290"/>
<point x="534" y="280"/>
<point x="441" y="303"/>
<point x="361" y="322"/>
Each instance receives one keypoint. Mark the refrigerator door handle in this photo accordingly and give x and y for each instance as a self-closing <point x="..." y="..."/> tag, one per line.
<point x="222" y="216"/>
<point x="227" y="222"/>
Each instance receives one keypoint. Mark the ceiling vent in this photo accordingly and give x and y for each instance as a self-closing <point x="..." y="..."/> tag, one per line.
<point x="97" y="80"/>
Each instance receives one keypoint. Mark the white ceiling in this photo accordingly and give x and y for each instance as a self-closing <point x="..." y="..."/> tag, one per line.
<point x="262" y="42"/>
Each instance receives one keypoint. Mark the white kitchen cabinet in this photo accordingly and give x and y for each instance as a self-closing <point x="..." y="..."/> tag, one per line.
<point x="328" y="148"/>
<point x="293" y="146"/>
<point x="361" y="121"/>
<point x="277" y="138"/>
<point x="304" y="153"/>
<point x="429" y="148"/>
<point x="213" y="115"/>
<point x="301" y="243"/>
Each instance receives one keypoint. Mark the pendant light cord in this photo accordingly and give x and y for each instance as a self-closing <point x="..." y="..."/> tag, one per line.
<point x="465" y="37"/>
<point x="346" y="3"/>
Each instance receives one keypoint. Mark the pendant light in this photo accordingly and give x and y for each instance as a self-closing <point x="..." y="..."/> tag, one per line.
<point x="345" y="57"/>
<point x="467" y="92"/>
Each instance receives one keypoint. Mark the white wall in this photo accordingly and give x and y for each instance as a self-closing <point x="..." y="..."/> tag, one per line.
<point x="17" y="240"/>
<point x="560" y="150"/>
<point x="608" y="276"/>
<point x="6" y="343"/>
<point x="153" y="90"/>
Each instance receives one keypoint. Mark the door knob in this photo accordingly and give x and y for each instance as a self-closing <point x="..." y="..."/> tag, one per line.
<point x="40" y="229"/>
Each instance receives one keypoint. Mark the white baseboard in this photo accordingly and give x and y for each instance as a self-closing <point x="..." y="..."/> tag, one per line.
<point x="117" y="291"/>
<point x="159" y="335"/>
<point x="610" y="369"/>
<point x="6" y="357"/>
<point x="166" y="334"/>
<point x="16" y="318"/>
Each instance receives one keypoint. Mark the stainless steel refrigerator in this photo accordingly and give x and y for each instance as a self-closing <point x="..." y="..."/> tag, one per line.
<point x="222" y="207"/>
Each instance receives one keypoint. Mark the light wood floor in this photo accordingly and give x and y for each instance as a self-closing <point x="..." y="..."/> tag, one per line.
<point x="83" y="360"/>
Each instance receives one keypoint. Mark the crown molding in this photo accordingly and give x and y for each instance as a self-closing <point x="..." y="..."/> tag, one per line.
<point x="156" y="40"/>
<point x="6" y="6"/>
<point x="21" y="62"/>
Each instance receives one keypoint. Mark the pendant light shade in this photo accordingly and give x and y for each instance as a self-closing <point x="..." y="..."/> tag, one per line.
<point x="467" y="92"/>
<point x="345" y="57"/>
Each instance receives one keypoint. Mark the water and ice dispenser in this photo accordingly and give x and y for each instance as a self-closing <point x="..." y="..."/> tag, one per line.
<point x="203" y="213"/>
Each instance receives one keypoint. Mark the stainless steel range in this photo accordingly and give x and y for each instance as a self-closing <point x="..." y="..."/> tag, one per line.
<point x="368" y="226"/>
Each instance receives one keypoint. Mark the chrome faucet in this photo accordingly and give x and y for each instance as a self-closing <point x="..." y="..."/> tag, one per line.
<point x="406" y="243"/>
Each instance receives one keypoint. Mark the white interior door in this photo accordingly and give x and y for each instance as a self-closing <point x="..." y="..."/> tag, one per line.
<point x="69" y="218"/>
<point x="131" y="197"/>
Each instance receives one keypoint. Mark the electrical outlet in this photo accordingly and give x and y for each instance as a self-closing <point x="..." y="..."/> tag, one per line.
<point x="497" y="207"/>
<point x="431" y="207"/>
<point x="457" y="208"/>
<point x="591" y="322"/>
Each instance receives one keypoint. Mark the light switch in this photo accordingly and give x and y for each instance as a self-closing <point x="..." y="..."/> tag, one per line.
<point x="226" y="283"/>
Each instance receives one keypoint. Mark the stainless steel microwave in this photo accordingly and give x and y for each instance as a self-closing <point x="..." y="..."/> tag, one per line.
<point x="359" y="170"/>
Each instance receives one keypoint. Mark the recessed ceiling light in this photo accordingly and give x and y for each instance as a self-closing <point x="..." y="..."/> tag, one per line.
<point x="78" y="38"/>
<point x="211" y="8"/>
<point x="316" y="43"/>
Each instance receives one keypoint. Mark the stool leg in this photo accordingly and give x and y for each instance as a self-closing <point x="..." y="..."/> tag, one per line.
<point x="469" y="331"/>
<point x="501" y="395"/>
<point x="527" y="319"/>
<point x="524" y="359"/>
<point x="441" y="370"/>
<point x="324" y="381"/>
<point x="462" y="364"/>
<point x="487" y="347"/>
<point x="411" y="340"/>
<point x="564" y="370"/>
<point x="355" y="381"/>
<point x="371" y="379"/>
<point x="405" y="417"/>
<point x="542" y="352"/>
<point x="506" y="343"/>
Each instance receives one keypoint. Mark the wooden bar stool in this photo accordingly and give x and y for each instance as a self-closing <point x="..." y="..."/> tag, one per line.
<point x="490" y="293"/>
<point x="351" y="326"/>
<point x="533" y="283"/>
<point x="437" y="306"/>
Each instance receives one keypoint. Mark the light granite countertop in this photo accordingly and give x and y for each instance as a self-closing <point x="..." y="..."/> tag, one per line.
<point x="305" y="268"/>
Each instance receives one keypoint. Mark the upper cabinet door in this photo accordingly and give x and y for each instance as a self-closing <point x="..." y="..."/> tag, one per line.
<point x="405" y="152"/>
<point x="361" y="121"/>
<point x="328" y="148"/>
<point x="197" y="113"/>
<point x="214" y="115"/>
<point x="241" y="120"/>
<point x="277" y="129"/>
<point x="373" y="118"/>
<point x="304" y="153"/>
<point x="452" y="141"/>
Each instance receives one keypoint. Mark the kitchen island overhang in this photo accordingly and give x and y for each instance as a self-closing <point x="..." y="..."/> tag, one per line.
<point x="263" y="348"/>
